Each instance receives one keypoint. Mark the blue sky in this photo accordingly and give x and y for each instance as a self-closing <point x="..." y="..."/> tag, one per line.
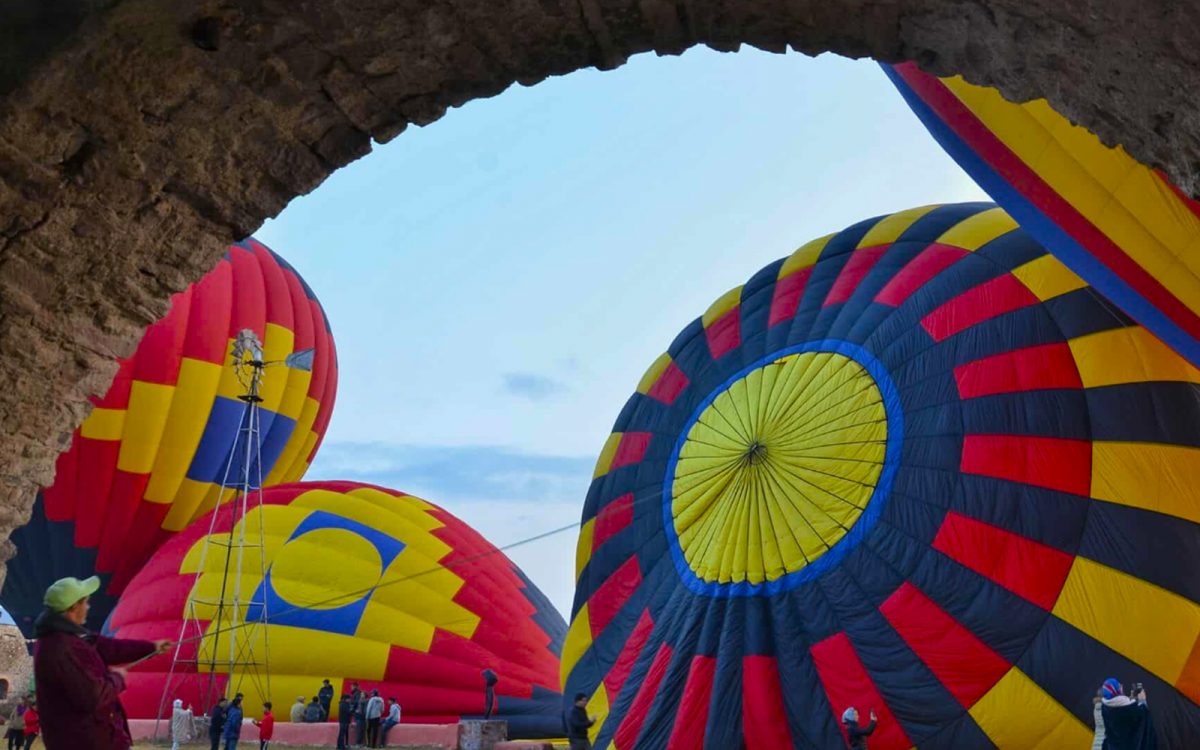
<point x="499" y="281"/>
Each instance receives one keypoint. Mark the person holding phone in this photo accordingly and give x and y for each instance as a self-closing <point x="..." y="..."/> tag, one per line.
<point x="857" y="736"/>
<point x="1127" y="720"/>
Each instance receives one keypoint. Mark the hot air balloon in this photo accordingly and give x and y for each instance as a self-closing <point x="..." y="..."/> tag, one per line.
<point x="151" y="456"/>
<point x="1122" y="226"/>
<point x="362" y="584"/>
<point x="918" y="467"/>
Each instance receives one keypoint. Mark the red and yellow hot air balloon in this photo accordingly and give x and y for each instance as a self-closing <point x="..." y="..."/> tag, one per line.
<point x="362" y="584"/>
<point x="151" y="456"/>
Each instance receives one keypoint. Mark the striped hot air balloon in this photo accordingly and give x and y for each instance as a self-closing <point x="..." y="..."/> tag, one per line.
<point x="919" y="467"/>
<point x="151" y="456"/>
<point x="1122" y="226"/>
<point x="362" y="584"/>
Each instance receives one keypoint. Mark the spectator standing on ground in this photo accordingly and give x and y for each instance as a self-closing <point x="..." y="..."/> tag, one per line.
<point x="15" y="734"/>
<point x="216" y="722"/>
<point x="76" y="673"/>
<point x="578" y="724"/>
<point x="374" y="717"/>
<point x="1127" y="724"/>
<point x="33" y="726"/>
<point x="393" y="718"/>
<point x="181" y="724"/>
<point x="325" y="694"/>
<point x="856" y="735"/>
<point x="489" y="693"/>
<point x="345" y="713"/>
<point x="233" y="724"/>
<point x="266" y="727"/>
<point x="360" y="714"/>
<point x="1098" y="720"/>
<point x="297" y="714"/>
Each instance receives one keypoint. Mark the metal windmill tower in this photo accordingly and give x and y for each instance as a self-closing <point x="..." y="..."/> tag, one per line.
<point x="224" y="633"/>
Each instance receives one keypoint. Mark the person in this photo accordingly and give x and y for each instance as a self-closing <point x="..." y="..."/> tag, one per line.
<point x="216" y="722"/>
<point x="489" y="693"/>
<point x="578" y="724"/>
<point x="266" y="727"/>
<point x="359" y="699"/>
<point x="314" y="714"/>
<point x="393" y="718"/>
<point x="77" y="673"/>
<point x="297" y="714"/>
<point x="374" y="714"/>
<point x="325" y="694"/>
<point x="233" y="724"/>
<point x="856" y="735"/>
<point x="1127" y="724"/>
<point x="15" y="734"/>
<point x="181" y="724"/>
<point x="345" y="713"/>
<point x="33" y="726"/>
<point x="1098" y="720"/>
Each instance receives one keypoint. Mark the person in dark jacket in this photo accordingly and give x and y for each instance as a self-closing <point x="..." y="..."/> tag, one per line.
<point x="578" y="724"/>
<point x="1127" y="724"/>
<point x="325" y="695"/>
<point x="359" y="699"/>
<point x="345" y="714"/>
<point x="78" y="676"/>
<point x="216" y="722"/>
<point x="489" y="692"/>
<point x="233" y="724"/>
<point x="856" y="735"/>
<point x="313" y="713"/>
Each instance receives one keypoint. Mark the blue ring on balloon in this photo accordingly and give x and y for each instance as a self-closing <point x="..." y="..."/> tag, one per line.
<point x="866" y="521"/>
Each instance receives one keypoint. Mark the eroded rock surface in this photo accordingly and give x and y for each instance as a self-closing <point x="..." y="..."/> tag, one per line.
<point x="138" y="137"/>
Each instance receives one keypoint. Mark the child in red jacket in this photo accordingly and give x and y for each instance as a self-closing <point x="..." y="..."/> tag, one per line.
<point x="32" y="726"/>
<point x="266" y="727"/>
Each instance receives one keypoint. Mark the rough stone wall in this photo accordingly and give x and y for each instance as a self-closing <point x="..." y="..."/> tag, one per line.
<point x="16" y="666"/>
<point x="138" y="137"/>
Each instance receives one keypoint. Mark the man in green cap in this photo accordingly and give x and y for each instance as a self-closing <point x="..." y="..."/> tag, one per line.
<point x="78" y="680"/>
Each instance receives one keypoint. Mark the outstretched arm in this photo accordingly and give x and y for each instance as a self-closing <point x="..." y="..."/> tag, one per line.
<point x="121" y="651"/>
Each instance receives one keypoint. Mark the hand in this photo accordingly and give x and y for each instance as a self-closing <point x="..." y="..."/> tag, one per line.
<point x="1141" y="696"/>
<point x="162" y="646"/>
<point x="873" y="716"/>
<point x="120" y="671"/>
<point x="592" y="718"/>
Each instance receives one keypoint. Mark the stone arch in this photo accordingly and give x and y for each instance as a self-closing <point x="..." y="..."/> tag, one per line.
<point x="138" y="137"/>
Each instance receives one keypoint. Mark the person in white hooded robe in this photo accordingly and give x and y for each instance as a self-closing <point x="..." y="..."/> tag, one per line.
<point x="181" y="724"/>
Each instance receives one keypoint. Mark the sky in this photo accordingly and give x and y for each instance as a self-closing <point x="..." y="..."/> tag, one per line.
<point x="499" y="281"/>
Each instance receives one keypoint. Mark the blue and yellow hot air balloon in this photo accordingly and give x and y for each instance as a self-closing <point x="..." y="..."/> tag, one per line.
<point x="362" y="584"/>
<point x="918" y="467"/>
<point x="151" y="456"/>
<point x="1122" y="226"/>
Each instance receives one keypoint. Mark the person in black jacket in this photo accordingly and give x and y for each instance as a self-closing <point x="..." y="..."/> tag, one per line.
<point x="1127" y="723"/>
<point x="856" y="735"/>
<point x="489" y="693"/>
<point x="345" y="714"/>
<point x="578" y="724"/>
<point x="325" y="694"/>
<point x="216" y="722"/>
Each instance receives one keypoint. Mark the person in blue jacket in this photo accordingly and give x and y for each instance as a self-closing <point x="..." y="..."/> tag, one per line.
<point x="233" y="724"/>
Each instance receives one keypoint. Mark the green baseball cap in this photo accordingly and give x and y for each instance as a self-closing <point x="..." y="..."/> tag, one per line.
<point x="64" y="592"/>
